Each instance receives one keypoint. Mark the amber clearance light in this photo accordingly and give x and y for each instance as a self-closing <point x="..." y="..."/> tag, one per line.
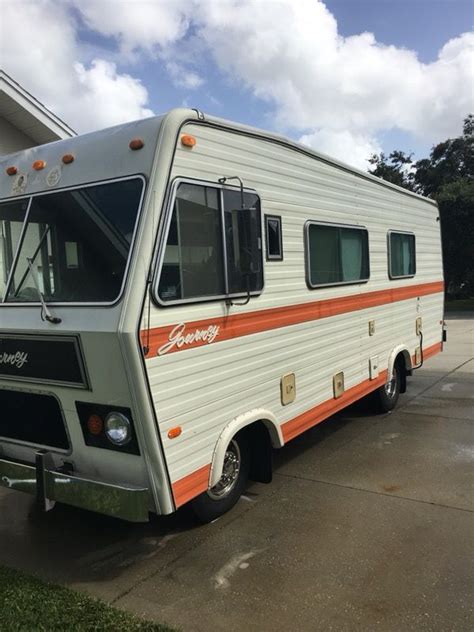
<point x="187" y="140"/>
<point x="136" y="143"/>
<point x="39" y="164"/>
<point x="68" y="158"/>
<point x="11" y="171"/>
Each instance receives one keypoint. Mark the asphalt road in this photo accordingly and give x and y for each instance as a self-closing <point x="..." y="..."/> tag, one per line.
<point x="368" y="525"/>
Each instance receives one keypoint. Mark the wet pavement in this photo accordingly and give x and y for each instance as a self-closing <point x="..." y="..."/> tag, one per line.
<point x="368" y="525"/>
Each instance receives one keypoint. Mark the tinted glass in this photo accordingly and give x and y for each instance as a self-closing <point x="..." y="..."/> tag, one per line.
<point x="243" y="242"/>
<point x="78" y="243"/>
<point x="193" y="261"/>
<point x="274" y="241"/>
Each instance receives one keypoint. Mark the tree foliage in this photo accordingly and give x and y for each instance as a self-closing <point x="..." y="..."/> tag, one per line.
<point x="447" y="176"/>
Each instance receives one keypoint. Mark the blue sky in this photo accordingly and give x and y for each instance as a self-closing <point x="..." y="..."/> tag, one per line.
<point x="301" y="67"/>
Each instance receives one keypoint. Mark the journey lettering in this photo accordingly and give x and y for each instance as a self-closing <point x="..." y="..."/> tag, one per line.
<point x="178" y="337"/>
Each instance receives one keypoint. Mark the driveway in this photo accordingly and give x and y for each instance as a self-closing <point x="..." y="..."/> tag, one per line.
<point x="368" y="525"/>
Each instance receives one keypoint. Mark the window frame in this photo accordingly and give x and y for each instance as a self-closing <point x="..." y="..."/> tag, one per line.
<point x="391" y="276"/>
<point x="268" y="256"/>
<point x="163" y="239"/>
<point x="131" y="252"/>
<point x="312" y="222"/>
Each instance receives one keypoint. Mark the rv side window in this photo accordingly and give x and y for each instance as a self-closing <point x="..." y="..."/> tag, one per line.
<point x="402" y="257"/>
<point x="213" y="247"/>
<point x="336" y="254"/>
<point x="193" y="262"/>
<point x="273" y="238"/>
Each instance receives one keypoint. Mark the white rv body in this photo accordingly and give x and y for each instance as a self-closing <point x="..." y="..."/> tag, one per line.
<point x="193" y="372"/>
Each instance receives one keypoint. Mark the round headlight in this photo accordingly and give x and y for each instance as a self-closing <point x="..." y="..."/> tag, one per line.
<point x="118" y="428"/>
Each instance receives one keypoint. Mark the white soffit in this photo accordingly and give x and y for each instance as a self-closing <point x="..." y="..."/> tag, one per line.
<point x="28" y="115"/>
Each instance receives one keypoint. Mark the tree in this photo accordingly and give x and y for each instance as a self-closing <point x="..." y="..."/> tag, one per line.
<point x="448" y="177"/>
<point x="395" y="168"/>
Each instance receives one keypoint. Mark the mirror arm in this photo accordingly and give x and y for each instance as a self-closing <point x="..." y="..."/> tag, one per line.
<point x="224" y="179"/>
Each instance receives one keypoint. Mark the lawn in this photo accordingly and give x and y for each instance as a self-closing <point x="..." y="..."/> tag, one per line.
<point x="30" y="605"/>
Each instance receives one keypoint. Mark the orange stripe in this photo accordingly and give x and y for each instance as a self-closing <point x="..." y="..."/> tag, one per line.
<point x="191" y="485"/>
<point x="194" y="484"/>
<point x="265" y="320"/>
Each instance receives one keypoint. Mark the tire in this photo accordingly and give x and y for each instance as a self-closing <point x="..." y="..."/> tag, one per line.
<point x="219" y="499"/>
<point x="386" y="397"/>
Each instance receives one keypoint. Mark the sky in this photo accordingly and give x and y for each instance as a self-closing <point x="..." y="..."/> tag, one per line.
<point x="349" y="78"/>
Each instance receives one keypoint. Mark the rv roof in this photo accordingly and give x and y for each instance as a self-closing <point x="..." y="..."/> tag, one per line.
<point x="101" y="155"/>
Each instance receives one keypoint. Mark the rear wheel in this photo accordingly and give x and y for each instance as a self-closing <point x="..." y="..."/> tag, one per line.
<point x="386" y="397"/>
<point x="228" y="489"/>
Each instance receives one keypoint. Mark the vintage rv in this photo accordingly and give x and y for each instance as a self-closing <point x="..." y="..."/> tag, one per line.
<point x="180" y="295"/>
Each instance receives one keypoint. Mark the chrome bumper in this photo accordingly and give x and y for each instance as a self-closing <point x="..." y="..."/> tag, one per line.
<point x="128" y="503"/>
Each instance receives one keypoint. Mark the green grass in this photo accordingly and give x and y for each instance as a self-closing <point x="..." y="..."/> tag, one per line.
<point x="28" y="604"/>
<point x="462" y="305"/>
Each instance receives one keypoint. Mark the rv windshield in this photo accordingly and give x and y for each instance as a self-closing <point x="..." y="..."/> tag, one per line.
<point x="12" y="216"/>
<point x="77" y="242"/>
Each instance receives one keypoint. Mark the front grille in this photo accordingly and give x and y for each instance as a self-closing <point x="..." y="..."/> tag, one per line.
<point x="32" y="418"/>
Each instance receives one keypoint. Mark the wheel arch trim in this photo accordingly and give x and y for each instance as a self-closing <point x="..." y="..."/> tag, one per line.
<point x="236" y="425"/>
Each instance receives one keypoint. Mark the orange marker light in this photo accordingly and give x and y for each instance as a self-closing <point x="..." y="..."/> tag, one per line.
<point x="95" y="424"/>
<point x="136" y="143"/>
<point x="187" y="140"/>
<point x="38" y="165"/>
<point x="174" y="432"/>
<point x="11" y="171"/>
<point x="68" y="158"/>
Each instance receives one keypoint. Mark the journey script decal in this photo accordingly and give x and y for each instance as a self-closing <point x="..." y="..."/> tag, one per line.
<point x="179" y="338"/>
<point x="17" y="359"/>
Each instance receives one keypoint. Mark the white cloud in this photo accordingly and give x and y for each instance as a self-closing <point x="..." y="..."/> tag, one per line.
<point x="182" y="77"/>
<point x="39" y="48"/>
<point x="344" y="145"/>
<point x="334" y="91"/>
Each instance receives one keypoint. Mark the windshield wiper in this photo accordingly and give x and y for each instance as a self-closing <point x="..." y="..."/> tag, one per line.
<point x="45" y="313"/>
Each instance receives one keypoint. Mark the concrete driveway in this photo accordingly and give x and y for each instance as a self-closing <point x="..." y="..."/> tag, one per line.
<point x="368" y="525"/>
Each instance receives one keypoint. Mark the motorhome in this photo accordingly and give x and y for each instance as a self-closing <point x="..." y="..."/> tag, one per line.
<point x="181" y="295"/>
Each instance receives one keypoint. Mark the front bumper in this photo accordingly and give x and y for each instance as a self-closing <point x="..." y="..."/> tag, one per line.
<point x="128" y="503"/>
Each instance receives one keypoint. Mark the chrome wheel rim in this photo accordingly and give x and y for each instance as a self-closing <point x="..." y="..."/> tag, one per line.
<point x="230" y="473"/>
<point x="391" y="385"/>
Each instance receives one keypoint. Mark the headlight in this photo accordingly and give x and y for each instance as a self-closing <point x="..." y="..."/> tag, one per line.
<point x="118" y="428"/>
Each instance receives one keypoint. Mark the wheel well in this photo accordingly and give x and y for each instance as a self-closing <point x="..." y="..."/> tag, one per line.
<point x="401" y="364"/>
<point x="261" y="453"/>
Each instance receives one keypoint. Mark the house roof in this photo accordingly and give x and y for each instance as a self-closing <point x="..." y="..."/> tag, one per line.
<point x="27" y="114"/>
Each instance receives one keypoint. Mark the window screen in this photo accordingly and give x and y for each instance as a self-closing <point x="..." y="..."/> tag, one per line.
<point x="337" y="254"/>
<point x="402" y="258"/>
<point x="273" y="237"/>
<point x="212" y="250"/>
